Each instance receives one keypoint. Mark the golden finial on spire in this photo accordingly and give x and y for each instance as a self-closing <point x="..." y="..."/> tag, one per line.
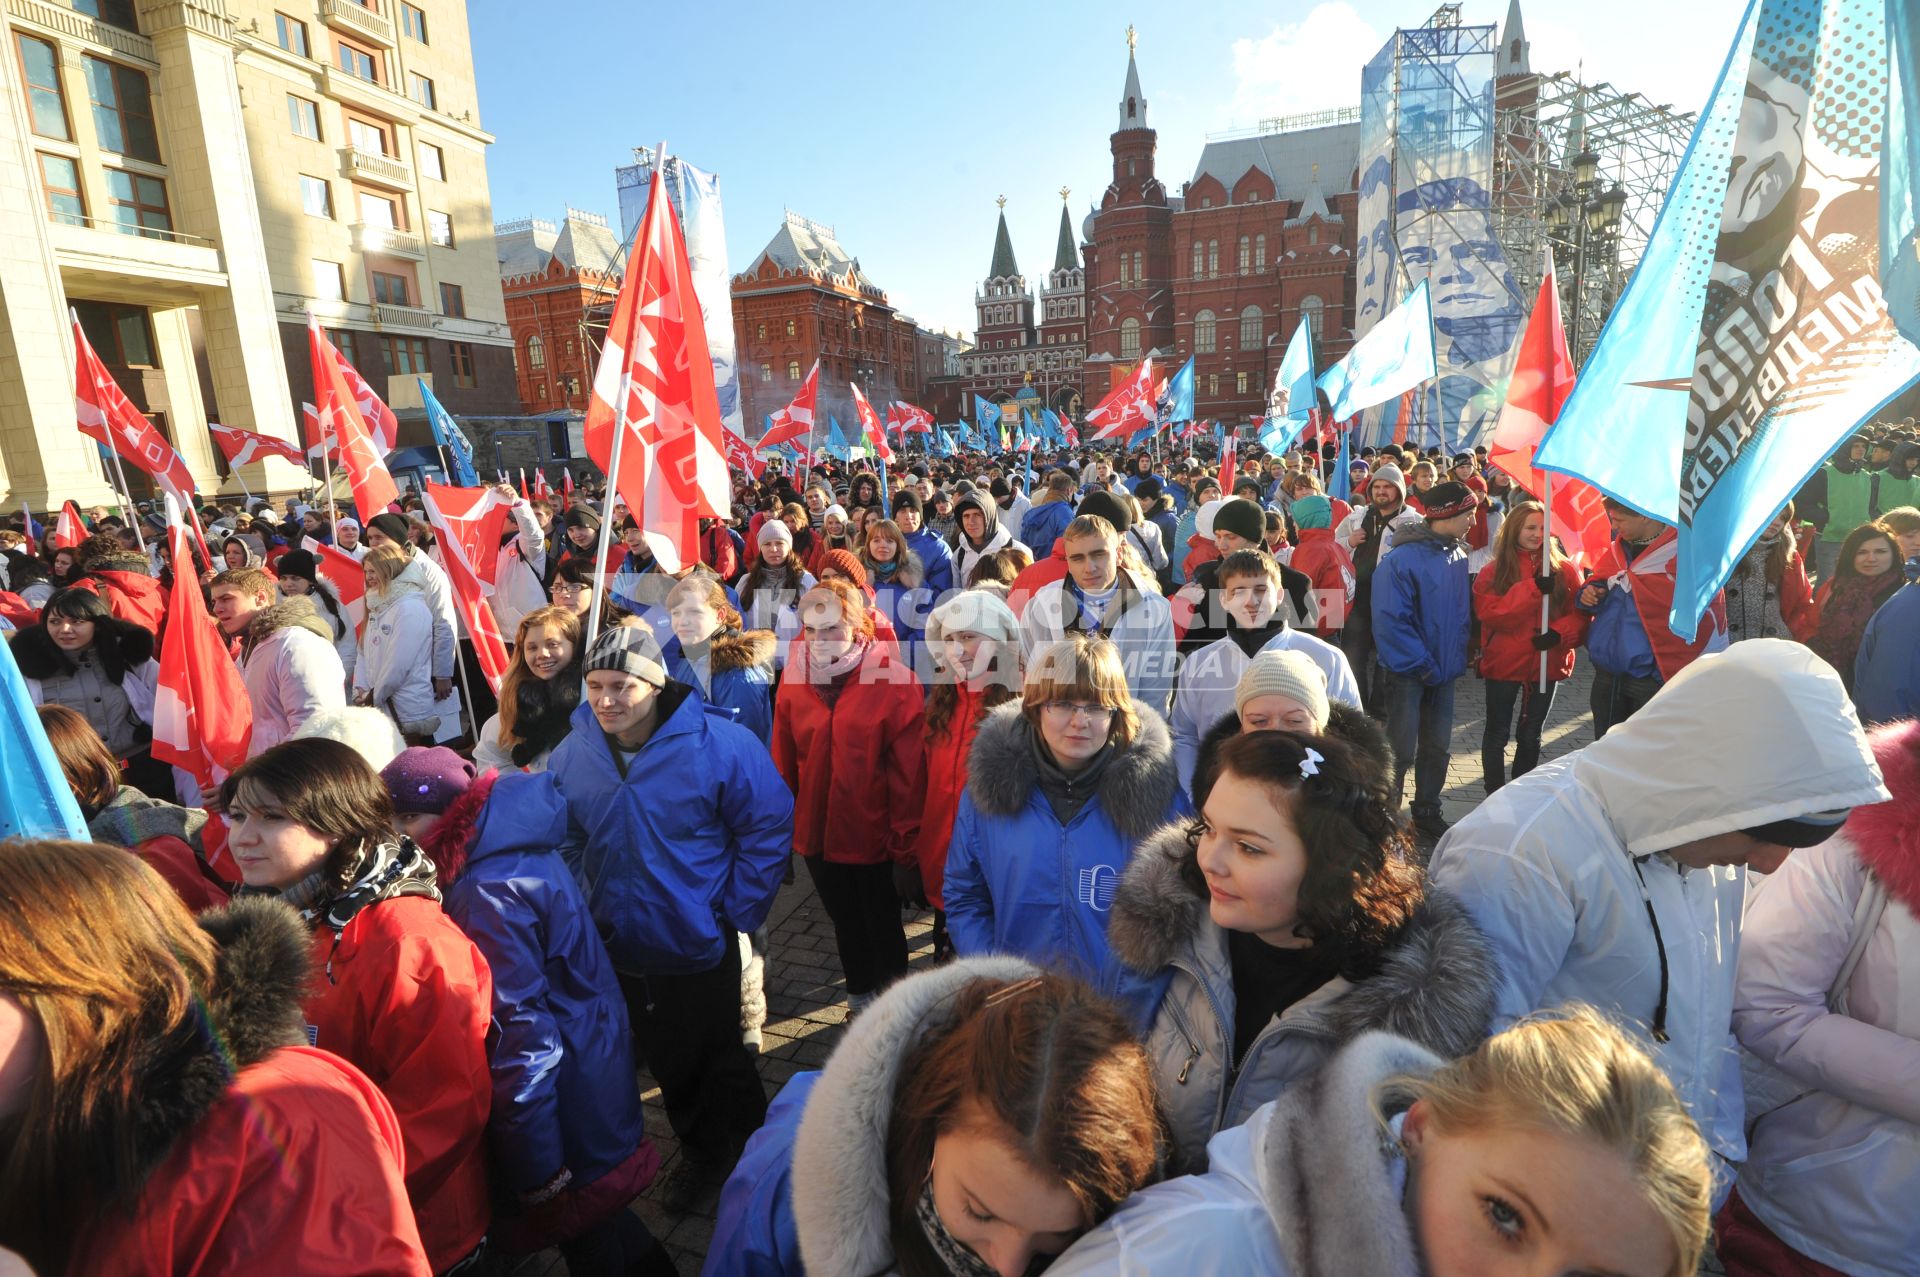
<point x="1064" y="192"/>
<point x="1131" y="37"/>
<point x="1316" y="172"/>
<point x="1002" y="201"/>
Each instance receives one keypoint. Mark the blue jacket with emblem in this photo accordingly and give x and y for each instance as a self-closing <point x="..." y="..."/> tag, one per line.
<point x="734" y="676"/>
<point x="1423" y="606"/>
<point x="937" y="557"/>
<point x="681" y="848"/>
<point x="1020" y="882"/>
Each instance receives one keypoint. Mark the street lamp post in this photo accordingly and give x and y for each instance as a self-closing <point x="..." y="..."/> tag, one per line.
<point x="1583" y="227"/>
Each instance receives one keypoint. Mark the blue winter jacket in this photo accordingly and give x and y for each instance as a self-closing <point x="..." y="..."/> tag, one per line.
<point x="1020" y="882"/>
<point x="754" y="1234"/>
<point x="1617" y="640"/>
<point x="734" y="677"/>
<point x="937" y="557"/>
<point x="1043" y="526"/>
<point x="1423" y="607"/>
<point x="907" y="608"/>
<point x="684" y="849"/>
<point x="1886" y="673"/>
<point x="562" y="1060"/>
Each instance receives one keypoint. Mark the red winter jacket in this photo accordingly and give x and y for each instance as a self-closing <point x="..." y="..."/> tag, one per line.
<point x="294" y="1170"/>
<point x="407" y="999"/>
<point x="1797" y="607"/>
<point x="1036" y="576"/>
<point x="1329" y="565"/>
<point x="716" y="551"/>
<point x="855" y="765"/>
<point x="947" y="754"/>
<point x="1509" y="621"/>
<point x="131" y="596"/>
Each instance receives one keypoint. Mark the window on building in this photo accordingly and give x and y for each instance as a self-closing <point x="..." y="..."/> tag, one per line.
<point x="347" y="342"/>
<point x="46" y="102"/>
<point x="766" y="372"/>
<point x="390" y="289"/>
<point x="1130" y="169"/>
<point x="1240" y="383"/>
<point x="303" y="117"/>
<point x="569" y="347"/>
<point x="789" y="328"/>
<point x="793" y="370"/>
<point x="379" y="210"/>
<point x="1126" y="268"/>
<point x="433" y="162"/>
<point x="60" y="180"/>
<point x="1259" y="252"/>
<point x="1246" y="255"/>
<point x="1206" y="201"/>
<point x="1213" y="258"/>
<point x="1313" y="234"/>
<point x="1129" y="339"/>
<point x="761" y="333"/>
<point x="1252" y="328"/>
<point x="406" y="356"/>
<point x="316" y="196"/>
<point x="1199" y="259"/>
<point x="329" y="281"/>
<point x="356" y="60"/>
<point x="460" y="354"/>
<point x="138" y="203"/>
<point x="536" y="352"/>
<point x="369" y="135"/>
<point x="1205" y="333"/>
<point x="420" y="89"/>
<point x="453" y="301"/>
<point x="291" y="33"/>
<point x="539" y="390"/>
<point x="1213" y="385"/>
<point x="121" y="335"/>
<point x="122" y="111"/>
<point x="1139" y="275"/>
<point x="413" y="21"/>
<point x="440" y="228"/>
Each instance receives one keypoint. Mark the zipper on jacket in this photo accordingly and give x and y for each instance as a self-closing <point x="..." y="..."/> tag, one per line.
<point x="1193" y="1044"/>
<point x="1220" y="1023"/>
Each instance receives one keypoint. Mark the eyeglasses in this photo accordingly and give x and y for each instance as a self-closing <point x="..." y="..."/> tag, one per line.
<point x="1067" y="711"/>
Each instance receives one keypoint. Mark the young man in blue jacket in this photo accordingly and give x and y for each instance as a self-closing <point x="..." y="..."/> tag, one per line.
<point x="910" y="512"/>
<point x="679" y="829"/>
<point x="1422" y="618"/>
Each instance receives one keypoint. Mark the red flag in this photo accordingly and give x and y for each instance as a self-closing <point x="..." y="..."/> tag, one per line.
<point x="795" y="421"/>
<point x="1542" y="380"/>
<point x="104" y="413"/>
<point x="339" y="416"/>
<point x="914" y="421"/>
<point x="70" y="529"/>
<point x="343" y="572"/>
<point x="1229" y="458"/>
<point x="541" y="491"/>
<point x="566" y="491"/>
<point x="243" y="447"/>
<point x="1127" y="407"/>
<point x="655" y="383"/>
<point x="468" y="522"/>
<point x="202" y="719"/>
<point x="870" y="425"/>
<point x="741" y="455"/>
<point x="1073" y="436"/>
<point x="1403" y="418"/>
<point x="524" y="494"/>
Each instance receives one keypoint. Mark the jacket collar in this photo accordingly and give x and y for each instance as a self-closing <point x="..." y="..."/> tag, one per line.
<point x="1135" y="790"/>
<point x="295" y="613"/>
<point x="680" y="713"/>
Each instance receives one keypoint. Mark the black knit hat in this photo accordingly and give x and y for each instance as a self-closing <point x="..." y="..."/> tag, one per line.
<point x="908" y="499"/>
<point x="1244" y="518"/>
<point x="1108" y="507"/>
<point x="1445" y="500"/>
<point x="581" y="517"/>
<point x="393" y="526"/>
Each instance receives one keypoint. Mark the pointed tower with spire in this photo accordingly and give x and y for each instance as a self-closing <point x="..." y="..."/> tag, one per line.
<point x="1129" y="262"/>
<point x="1516" y="96"/>
<point x="1003" y="306"/>
<point x="1063" y="314"/>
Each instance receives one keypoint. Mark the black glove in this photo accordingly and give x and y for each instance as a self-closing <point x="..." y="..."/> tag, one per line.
<point x="1546" y="642"/>
<point x="907" y="885"/>
<point x="1544" y="582"/>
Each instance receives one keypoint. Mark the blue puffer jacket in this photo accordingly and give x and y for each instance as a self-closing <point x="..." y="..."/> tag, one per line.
<point x="1423" y="606"/>
<point x="907" y="607"/>
<point x="754" y="1234"/>
<point x="937" y="557"/>
<point x="1043" y="526"/>
<point x="563" y="1092"/>
<point x="734" y="676"/>
<point x="686" y="848"/>
<point x="1019" y="882"/>
<point x="1886" y="673"/>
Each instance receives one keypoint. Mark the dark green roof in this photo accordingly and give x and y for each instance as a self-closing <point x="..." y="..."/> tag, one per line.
<point x="1004" y="267"/>
<point x="1066" y="256"/>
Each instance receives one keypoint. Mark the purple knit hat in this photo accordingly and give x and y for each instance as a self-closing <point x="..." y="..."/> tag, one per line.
<point x="423" y="780"/>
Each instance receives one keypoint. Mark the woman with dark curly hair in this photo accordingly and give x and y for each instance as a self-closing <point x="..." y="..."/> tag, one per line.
<point x="84" y="657"/>
<point x="1285" y="921"/>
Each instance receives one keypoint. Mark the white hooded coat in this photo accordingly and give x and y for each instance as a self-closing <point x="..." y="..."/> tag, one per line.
<point x="1547" y="866"/>
<point x="396" y="654"/>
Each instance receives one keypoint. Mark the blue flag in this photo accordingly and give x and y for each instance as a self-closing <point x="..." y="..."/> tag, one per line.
<point x="449" y="436"/>
<point x="1393" y="358"/>
<point x="1293" y="393"/>
<point x="1900" y="173"/>
<point x="1340" y="483"/>
<point x="986" y="417"/>
<point x="1177" y="403"/>
<point x="836" y="440"/>
<point x="35" y="801"/>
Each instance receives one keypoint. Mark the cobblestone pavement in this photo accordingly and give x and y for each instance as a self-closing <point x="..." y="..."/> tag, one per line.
<point x="806" y="1001"/>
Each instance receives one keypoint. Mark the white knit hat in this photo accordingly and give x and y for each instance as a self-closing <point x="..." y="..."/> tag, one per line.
<point x="1289" y="674"/>
<point x="1203" y="522"/>
<point x="975" y="610"/>
<point x="774" y="530"/>
<point x="835" y="511"/>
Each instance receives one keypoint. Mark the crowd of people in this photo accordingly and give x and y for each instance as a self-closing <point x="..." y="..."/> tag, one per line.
<point x="1212" y="986"/>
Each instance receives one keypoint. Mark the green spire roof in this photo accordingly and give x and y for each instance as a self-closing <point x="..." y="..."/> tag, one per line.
<point x="1004" y="267"/>
<point x="1066" y="256"/>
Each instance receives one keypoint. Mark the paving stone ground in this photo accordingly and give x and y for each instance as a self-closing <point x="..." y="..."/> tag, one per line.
<point x="806" y="999"/>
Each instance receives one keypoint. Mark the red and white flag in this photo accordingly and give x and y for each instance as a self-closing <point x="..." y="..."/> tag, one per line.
<point x="381" y="423"/>
<point x="104" y="413"/>
<point x="541" y="491"/>
<point x="26" y="527"/>
<point x="795" y="421"/>
<point x="655" y="384"/>
<point x="244" y="447"/>
<point x="1127" y="407"/>
<point x="468" y="523"/>
<point x="202" y="719"/>
<point x="740" y="454"/>
<point x="339" y="417"/>
<point x="69" y="530"/>
<point x="870" y="425"/>
<point x="1229" y="458"/>
<point x="1541" y="383"/>
<point x="343" y="572"/>
<point x="566" y="491"/>
<point x="918" y="420"/>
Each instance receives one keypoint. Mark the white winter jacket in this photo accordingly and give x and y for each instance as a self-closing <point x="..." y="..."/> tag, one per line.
<point x="1210" y="676"/>
<point x="523" y="561"/>
<point x="396" y="654"/>
<point x="1834" y="1167"/>
<point x="1408" y="517"/>
<point x="437" y="592"/>
<point x="1144" y="634"/>
<point x="1552" y="866"/>
<point x="291" y="669"/>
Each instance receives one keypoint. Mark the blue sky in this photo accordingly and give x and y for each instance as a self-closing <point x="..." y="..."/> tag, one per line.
<point x="907" y="120"/>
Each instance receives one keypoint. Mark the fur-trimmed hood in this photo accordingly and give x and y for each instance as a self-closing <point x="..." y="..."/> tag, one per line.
<point x="1135" y="789"/>
<point x="119" y="645"/>
<point x="131" y="562"/>
<point x="742" y="649"/>
<point x="1885" y="834"/>
<point x="840" y="1199"/>
<point x="1435" y="986"/>
<point x="1344" y="723"/>
<point x="451" y="841"/>
<point x="264" y="968"/>
<point x="296" y="613"/>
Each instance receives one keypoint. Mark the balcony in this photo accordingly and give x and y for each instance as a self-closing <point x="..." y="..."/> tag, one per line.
<point x="370" y="166"/>
<point x="385" y="316"/>
<point x="380" y="239"/>
<point x="358" y="20"/>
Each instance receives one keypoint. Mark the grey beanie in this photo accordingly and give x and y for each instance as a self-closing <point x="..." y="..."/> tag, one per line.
<point x="628" y="649"/>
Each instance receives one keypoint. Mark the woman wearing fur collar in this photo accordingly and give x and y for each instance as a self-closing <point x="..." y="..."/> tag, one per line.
<point x="159" y="1105"/>
<point x="1556" y="1147"/>
<point x="1061" y="787"/>
<point x="974" y="1121"/>
<point x="538" y="694"/>
<point x="731" y="667"/>
<point x="84" y="657"/>
<point x="1287" y="920"/>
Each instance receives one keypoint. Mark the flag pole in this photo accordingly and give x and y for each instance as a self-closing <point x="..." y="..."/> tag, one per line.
<point x="126" y="494"/>
<point x="1546" y="560"/>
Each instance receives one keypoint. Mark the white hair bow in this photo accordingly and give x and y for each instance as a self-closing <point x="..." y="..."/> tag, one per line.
<point x="1310" y="765"/>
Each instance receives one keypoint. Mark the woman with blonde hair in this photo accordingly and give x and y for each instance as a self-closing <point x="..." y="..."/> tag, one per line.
<point x="160" y="1109"/>
<point x="1558" y="1146"/>
<point x="732" y="667"/>
<point x="1061" y="787"/>
<point x="898" y="580"/>
<point x="538" y="694"/>
<point x="394" y="672"/>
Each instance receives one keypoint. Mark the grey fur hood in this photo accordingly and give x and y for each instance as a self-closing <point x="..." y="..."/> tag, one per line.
<point x="1135" y="789"/>
<point x="840" y="1200"/>
<point x="292" y="613"/>
<point x="1435" y="986"/>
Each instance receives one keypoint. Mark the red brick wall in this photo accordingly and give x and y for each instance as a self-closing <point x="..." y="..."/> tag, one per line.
<point x="551" y="305"/>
